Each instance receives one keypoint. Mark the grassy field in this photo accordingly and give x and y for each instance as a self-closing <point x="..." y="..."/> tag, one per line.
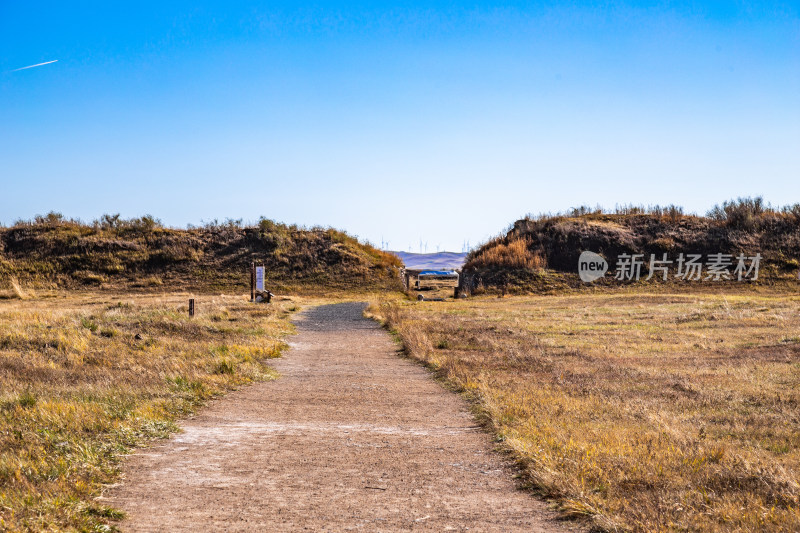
<point x="86" y="376"/>
<point x="639" y="411"/>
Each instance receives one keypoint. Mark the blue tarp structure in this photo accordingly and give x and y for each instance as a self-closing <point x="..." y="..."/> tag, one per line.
<point x="437" y="273"/>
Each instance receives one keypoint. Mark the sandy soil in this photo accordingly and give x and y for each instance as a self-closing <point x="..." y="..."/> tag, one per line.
<point x="351" y="437"/>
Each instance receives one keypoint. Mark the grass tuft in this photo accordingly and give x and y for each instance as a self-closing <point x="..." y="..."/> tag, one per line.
<point x="17" y="290"/>
<point x="26" y="399"/>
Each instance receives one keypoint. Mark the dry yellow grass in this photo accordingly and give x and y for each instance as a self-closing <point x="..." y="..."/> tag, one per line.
<point x="83" y="378"/>
<point x="16" y="290"/>
<point x="514" y="254"/>
<point x="644" y="412"/>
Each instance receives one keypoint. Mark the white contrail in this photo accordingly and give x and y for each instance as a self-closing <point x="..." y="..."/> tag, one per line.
<point x="36" y="65"/>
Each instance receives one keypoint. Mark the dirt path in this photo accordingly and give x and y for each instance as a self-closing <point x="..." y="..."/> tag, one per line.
<point x="351" y="437"/>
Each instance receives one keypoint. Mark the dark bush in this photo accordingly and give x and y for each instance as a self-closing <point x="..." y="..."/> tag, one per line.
<point x="742" y="213"/>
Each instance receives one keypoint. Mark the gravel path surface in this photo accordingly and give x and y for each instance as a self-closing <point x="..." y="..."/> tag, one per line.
<point x="350" y="437"/>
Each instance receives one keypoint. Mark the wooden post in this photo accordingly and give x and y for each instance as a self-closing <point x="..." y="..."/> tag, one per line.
<point x="253" y="281"/>
<point x="191" y="306"/>
<point x="455" y="293"/>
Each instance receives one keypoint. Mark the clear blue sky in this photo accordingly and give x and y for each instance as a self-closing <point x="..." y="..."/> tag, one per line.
<point x="401" y="122"/>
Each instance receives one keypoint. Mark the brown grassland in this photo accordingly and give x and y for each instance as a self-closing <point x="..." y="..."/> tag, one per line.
<point x="86" y="376"/>
<point x="636" y="409"/>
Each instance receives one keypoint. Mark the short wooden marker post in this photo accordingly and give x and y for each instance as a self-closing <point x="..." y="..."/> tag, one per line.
<point x="191" y="306"/>
<point x="253" y="281"/>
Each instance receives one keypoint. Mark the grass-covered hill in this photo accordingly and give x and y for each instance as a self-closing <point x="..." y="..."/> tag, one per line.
<point x="542" y="253"/>
<point x="51" y="251"/>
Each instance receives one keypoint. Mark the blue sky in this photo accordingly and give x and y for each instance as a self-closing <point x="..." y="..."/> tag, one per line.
<point x="397" y="122"/>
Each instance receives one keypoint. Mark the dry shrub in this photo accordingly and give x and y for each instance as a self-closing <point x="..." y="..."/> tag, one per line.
<point x="516" y="253"/>
<point x="153" y="281"/>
